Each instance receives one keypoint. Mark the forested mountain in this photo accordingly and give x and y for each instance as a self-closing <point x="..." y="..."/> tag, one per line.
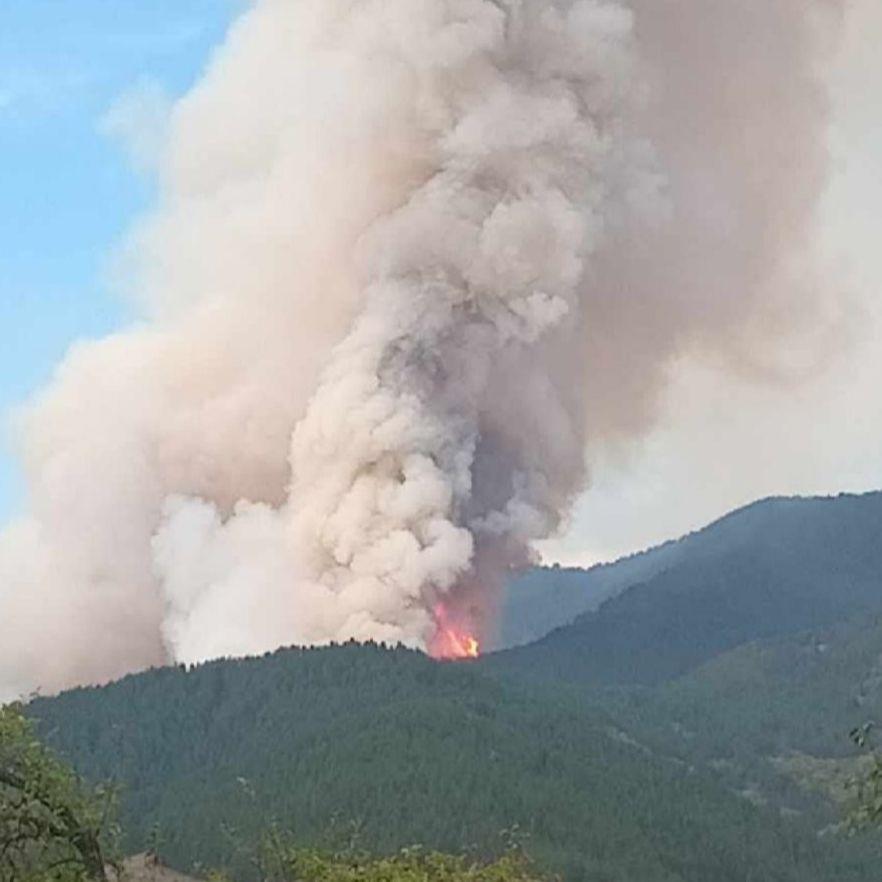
<point x="693" y="728"/>
<point x="776" y="567"/>
<point x="769" y="716"/>
<point x="414" y="751"/>
<point x="544" y="598"/>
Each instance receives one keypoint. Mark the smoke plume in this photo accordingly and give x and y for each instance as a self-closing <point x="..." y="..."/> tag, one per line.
<point x="413" y="260"/>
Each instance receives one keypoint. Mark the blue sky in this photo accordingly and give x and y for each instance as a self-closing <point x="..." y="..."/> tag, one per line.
<point x="67" y="191"/>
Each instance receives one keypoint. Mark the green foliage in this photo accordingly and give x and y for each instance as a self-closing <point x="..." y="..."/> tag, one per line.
<point x="280" y="859"/>
<point x="865" y="812"/>
<point x="411" y="865"/>
<point x="50" y="824"/>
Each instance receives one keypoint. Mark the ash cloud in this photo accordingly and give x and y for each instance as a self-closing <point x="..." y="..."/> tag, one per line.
<point x="413" y="261"/>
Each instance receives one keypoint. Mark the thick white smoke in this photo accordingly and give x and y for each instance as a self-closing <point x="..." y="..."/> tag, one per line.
<point x="412" y="259"/>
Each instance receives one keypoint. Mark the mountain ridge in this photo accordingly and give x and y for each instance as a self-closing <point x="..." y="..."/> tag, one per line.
<point x="534" y="605"/>
<point x="775" y="545"/>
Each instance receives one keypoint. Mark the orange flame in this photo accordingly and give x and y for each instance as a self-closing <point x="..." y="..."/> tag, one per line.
<point x="451" y="641"/>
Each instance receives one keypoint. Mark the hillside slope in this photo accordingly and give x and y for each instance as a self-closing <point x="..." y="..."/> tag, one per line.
<point x="414" y="751"/>
<point x="777" y="567"/>
<point x="770" y="717"/>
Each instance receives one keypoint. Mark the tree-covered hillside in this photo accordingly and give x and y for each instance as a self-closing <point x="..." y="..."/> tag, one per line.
<point x="770" y="718"/>
<point x="413" y="751"/>
<point x="777" y="567"/>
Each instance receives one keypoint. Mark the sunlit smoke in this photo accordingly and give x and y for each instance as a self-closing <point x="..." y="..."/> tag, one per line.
<point x="413" y="261"/>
